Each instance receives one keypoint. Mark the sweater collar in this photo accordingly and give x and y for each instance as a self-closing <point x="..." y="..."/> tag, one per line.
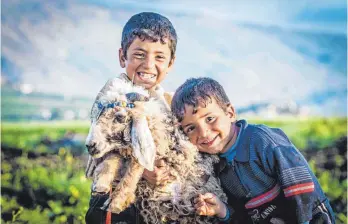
<point x="242" y="154"/>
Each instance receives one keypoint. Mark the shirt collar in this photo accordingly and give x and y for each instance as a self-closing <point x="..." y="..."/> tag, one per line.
<point x="230" y="154"/>
<point x="242" y="154"/>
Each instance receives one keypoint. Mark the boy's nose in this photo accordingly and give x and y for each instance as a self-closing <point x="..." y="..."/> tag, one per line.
<point x="203" y="132"/>
<point x="149" y="63"/>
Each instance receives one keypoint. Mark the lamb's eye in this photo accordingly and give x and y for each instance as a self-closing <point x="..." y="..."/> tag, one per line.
<point x="120" y="117"/>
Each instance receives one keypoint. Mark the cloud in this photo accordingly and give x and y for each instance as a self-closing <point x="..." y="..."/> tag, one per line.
<point x="293" y="15"/>
<point x="73" y="48"/>
<point x="251" y="64"/>
<point x="73" y="51"/>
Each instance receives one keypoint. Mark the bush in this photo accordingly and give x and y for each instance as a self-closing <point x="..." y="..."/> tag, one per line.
<point x="51" y="189"/>
<point x="42" y="178"/>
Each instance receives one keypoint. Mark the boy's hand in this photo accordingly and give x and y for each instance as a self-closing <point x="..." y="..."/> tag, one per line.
<point x="209" y="205"/>
<point x="133" y="97"/>
<point x="159" y="175"/>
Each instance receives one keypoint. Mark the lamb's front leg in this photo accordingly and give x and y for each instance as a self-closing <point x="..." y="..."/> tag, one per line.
<point x="106" y="172"/>
<point x="124" y="194"/>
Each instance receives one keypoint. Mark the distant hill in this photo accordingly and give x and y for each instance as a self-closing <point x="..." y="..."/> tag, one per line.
<point x="18" y="106"/>
<point x="71" y="49"/>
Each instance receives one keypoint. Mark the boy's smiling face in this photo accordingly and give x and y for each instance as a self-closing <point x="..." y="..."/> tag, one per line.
<point x="147" y="61"/>
<point x="210" y="128"/>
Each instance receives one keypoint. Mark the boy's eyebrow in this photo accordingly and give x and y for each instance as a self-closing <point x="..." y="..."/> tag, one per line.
<point x="141" y="49"/>
<point x="161" y="52"/>
<point x="186" y="125"/>
<point x="205" y="114"/>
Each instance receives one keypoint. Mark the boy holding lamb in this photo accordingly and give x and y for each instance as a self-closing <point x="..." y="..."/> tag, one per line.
<point x="147" y="54"/>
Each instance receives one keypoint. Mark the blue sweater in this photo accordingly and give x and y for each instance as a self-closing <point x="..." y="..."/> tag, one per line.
<point x="267" y="179"/>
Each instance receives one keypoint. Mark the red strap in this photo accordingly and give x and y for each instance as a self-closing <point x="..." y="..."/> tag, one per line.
<point x="108" y="217"/>
<point x="108" y="213"/>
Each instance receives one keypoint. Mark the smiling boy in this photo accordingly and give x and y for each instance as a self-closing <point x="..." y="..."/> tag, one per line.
<point x="264" y="176"/>
<point x="147" y="54"/>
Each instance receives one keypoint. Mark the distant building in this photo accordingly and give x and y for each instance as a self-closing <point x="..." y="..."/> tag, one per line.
<point x="271" y="111"/>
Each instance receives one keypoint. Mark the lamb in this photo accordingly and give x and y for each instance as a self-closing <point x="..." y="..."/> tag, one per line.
<point x="126" y="137"/>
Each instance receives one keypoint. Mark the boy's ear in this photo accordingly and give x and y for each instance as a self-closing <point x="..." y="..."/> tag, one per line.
<point x="121" y="58"/>
<point x="230" y="111"/>
<point x="171" y="63"/>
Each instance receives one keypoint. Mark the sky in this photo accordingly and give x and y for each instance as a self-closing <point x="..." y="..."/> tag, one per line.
<point x="269" y="51"/>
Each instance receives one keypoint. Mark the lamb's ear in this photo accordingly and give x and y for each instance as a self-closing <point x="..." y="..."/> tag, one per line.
<point x="91" y="164"/>
<point x="144" y="149"/>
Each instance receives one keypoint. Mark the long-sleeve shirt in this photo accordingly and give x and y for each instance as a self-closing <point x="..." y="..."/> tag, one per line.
<point x="267" y="180"/>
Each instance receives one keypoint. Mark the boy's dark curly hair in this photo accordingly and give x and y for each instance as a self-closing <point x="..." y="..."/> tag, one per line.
<point x="149" y="26"/>
<point x="198" y="91"/>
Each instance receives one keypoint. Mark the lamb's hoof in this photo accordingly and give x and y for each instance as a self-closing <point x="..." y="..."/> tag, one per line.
<point x="100" y="188"/>
<point x="112" y="206"/>
<point x="118" y="205"/>
<point x="130" y="198"/>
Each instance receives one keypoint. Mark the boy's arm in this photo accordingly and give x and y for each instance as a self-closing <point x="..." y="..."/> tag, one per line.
<point x="295" y="179"/>
<point x="159" y="175"/>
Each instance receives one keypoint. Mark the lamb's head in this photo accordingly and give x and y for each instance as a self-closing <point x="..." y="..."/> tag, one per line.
<point x="110" y="129"/>
<point x="111" y="122"/>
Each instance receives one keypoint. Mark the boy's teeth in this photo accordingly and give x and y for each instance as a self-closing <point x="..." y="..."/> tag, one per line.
<point x="208" y="141"/>
<point x="146" y="75"/>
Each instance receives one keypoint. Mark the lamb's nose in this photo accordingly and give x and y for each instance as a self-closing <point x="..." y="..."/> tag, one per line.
<point x="92" y="149"/>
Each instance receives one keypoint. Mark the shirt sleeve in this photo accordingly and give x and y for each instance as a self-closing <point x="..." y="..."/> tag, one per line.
<point x="94" y="109"/>
<point x="229" y="215"/>
<point x="295" y="178"/>
<point x="233" y="217"/>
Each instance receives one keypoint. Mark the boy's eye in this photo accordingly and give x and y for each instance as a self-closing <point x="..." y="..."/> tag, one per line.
<point x="189" y="130"/>
<point x="210" y="119"/>
<point x="139" y="55"/>
<point x="161" y="57"/>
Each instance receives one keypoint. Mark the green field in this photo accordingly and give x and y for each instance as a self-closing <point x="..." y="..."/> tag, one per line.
<point x="43" y="179"/>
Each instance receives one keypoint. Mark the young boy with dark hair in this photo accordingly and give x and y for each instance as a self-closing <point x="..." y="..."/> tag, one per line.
<point x="147" y="53"/>
<point x="265" y="177"/>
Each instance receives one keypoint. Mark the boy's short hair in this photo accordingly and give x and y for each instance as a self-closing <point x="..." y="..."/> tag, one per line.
<point x="196" y="91"/>
<point x="149" y="26"/>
